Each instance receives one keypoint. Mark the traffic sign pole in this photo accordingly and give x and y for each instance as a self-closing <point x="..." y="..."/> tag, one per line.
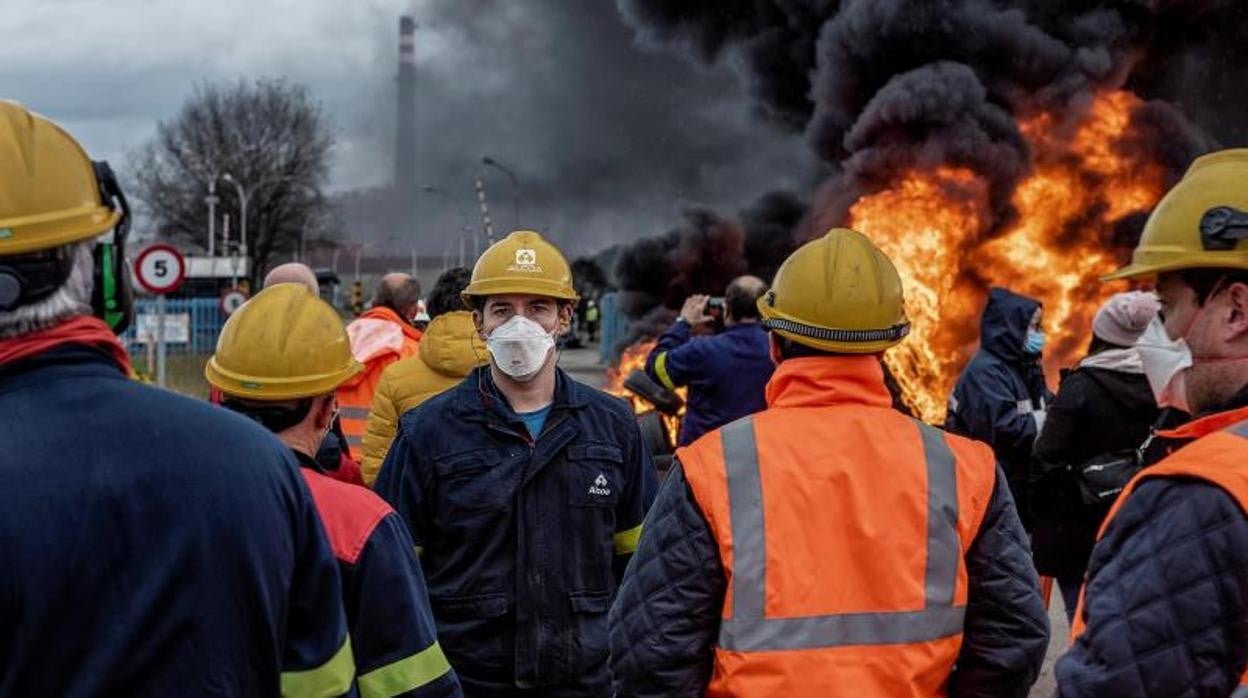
<point x="160" y="269"/>
<point x="161" y="351"/>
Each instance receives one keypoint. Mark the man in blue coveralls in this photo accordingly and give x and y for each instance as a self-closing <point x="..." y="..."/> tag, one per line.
<point x="524" y="489"/>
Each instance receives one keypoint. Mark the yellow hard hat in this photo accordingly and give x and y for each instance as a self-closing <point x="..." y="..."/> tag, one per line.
<point x="283" y="344"/>
<point x="1200" y="224"/>
<point x="522" y="262"/>
<point x="837" y="294"/>
<point x="49" y="195"/>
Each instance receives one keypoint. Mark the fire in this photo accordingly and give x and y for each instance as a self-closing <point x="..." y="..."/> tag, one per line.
<point x="634" y="359"/>
<point x="935" y="226"/>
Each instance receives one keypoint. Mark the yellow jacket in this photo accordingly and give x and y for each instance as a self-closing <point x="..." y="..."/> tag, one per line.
<point x="445" y="356"/>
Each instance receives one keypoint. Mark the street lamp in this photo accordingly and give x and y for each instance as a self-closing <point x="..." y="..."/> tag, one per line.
<point x="244" y="197"/>
<point x="515" y="186"/>
<point x="242" y="203"/>
<point x="212" y="200"/>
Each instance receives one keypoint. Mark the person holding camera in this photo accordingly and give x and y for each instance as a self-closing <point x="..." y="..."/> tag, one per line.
<point x="726" y="373"/>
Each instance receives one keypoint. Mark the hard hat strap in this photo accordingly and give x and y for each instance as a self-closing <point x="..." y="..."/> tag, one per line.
<point x="1221" y="228"/>
<point x="276" y="418"/>
<point x="890" y="334"/>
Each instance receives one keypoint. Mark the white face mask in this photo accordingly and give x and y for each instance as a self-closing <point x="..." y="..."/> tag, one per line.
<point x="1165" y="364"/>
<point x="520" y="347"/>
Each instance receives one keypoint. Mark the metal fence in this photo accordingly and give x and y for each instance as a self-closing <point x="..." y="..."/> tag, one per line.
<point x="196" y="322"/>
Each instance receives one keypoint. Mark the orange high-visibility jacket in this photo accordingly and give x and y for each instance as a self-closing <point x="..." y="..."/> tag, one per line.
<point x="1219" y="456"/>
<point x="843" y="530"/>
<point x="378" y="338"/>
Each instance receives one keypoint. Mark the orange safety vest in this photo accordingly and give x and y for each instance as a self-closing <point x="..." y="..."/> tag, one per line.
<point x="1219" y="456"/>
<point x="378" y="338"/>
<point x="843" y="528"/>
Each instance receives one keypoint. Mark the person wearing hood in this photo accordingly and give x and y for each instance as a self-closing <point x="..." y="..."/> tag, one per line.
<point x="446" y="355"/>
<point x="1103" y="406"/>
<point x="1001" y="397"/>
<point x="381" y="336"/>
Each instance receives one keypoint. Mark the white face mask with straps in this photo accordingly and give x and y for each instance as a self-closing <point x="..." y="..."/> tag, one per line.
<point x="520" y="347"/>
<point x="1165" y="365"/>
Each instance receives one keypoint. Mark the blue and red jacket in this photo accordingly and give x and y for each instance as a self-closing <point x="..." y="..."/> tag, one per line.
<point x="153" y="545"/>
<point x="392" y="629"/>
<point x="726" y="374"/>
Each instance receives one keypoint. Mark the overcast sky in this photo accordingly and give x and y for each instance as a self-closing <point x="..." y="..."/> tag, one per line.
<point x="609" y="140"/>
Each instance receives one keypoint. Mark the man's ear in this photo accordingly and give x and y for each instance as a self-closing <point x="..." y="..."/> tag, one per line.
<point x="323" y="411"/>
<point x="1237" y="311"/>
<point x="478" y="321"/>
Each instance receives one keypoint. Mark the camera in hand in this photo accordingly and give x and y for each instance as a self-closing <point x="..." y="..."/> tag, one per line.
<point x="714" y="307"/>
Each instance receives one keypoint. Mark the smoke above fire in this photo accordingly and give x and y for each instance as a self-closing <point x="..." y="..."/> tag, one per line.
<point x="978" y="142"/>
<point x="702" y="254"/>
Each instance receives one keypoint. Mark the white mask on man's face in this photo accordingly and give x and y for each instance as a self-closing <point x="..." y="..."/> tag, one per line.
<point x="520" y="347"/>
<point x="1166" y="362"/>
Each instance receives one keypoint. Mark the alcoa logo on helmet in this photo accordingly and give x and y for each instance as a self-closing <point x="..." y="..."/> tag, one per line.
<point x="526" y="261"/>
<point x="601" y="486"/>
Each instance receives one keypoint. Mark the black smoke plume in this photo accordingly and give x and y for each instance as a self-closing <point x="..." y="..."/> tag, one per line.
<point x="880" y="86"/>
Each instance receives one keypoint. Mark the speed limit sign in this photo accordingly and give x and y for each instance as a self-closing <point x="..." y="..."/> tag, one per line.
<point x="232" y="299"/>
<point x="160" y="269"/>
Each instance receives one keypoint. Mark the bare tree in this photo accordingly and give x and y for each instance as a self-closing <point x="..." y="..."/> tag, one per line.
<point x="268" y="135"/>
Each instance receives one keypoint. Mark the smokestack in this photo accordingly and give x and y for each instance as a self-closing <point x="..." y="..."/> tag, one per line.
<point x="405" y="124"/>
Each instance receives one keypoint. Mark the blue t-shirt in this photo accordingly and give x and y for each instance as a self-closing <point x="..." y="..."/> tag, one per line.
<point x="534" y="421"/>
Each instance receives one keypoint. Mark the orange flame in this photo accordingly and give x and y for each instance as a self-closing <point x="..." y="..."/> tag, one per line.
<point x="933" y="225"/>
<point x="634" y="359"/>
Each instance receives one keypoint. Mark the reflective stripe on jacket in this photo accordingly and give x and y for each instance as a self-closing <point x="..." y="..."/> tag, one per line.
<point x="1218" y="457"/>
<point x="843" y="532"/>
<point x="392" y="629"/>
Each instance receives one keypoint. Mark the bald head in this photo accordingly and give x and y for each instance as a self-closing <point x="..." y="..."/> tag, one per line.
<point x="293" y="273"/>
<point x="398" y="292"/>
<point x="741" y="299"/>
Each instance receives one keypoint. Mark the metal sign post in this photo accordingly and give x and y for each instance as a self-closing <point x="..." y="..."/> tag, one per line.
<point x="161" y="349"/>
<point x="160" y="269"/>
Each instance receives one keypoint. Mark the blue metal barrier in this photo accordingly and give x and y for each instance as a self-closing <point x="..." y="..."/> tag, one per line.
<point x="205" y="319"/>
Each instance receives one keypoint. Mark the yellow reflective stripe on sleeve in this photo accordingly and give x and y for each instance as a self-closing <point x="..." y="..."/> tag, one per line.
<point x="660" y="369"/>
<point x="333" y="678"/>
<point x="626" y="541"/>
<point x="406" y="674"/>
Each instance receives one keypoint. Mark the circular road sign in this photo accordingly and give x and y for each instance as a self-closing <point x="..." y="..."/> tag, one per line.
<point x="160" y="269"/>
<point x="232" y="299"/>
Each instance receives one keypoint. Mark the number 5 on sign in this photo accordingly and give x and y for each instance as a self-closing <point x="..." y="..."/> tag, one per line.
<point x="160" y="269"/>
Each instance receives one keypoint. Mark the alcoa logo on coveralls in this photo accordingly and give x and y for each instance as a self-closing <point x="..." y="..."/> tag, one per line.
<point x="526" y="261"/>
<point x="601" y="486"/>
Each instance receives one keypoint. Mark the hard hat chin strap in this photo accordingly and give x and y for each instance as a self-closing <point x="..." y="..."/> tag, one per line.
<point x="890" y="334"/>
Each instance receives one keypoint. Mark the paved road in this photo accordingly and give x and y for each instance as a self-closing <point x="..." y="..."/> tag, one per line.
<point x="1057" y="645"/>
<point x="583" y="365"/>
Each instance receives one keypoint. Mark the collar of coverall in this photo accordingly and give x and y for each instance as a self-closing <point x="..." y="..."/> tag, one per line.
<point x="479" y="387"/>
<point x="1208" y="424"/>
<point x="82" y="330"/>
<point x="832" y="380"/>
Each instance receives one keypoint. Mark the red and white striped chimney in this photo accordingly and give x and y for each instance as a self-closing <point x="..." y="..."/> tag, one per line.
<point x="405" y="126"/>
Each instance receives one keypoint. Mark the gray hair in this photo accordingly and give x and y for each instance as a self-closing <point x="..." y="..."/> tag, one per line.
<point x="71" y="299"/>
